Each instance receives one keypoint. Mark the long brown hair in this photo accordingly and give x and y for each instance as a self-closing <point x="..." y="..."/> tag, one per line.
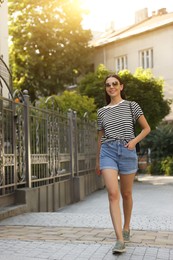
<point x="108" y="99"/>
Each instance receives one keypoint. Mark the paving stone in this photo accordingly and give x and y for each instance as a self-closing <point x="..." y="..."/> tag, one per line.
<point x="84" y="230"/>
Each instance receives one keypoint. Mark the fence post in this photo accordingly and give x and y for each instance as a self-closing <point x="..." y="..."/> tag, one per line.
<point x="75" y="136"/>
<point x="71" y="117"/>
<point x="27" y="138"/>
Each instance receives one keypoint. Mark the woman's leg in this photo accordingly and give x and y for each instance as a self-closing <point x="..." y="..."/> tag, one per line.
<point x="110" y="177"/>
<point x="126" y="185"/>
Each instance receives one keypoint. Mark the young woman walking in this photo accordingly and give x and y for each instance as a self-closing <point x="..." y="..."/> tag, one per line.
<point x="116" y="154"/>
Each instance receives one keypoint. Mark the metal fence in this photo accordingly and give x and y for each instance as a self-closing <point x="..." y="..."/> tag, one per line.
<point x="41" y="146"/>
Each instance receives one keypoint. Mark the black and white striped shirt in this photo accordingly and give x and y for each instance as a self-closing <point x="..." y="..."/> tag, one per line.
<point x="117" y="121"/>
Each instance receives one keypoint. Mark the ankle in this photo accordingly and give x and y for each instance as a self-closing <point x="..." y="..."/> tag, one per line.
<point x="120" y="240"/>
<point x="126" y="229"/>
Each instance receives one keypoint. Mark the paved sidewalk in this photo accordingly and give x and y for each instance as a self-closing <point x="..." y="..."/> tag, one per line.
<point x="84" y="230"/>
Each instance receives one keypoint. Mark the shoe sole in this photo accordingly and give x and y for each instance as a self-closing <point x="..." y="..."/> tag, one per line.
<point x="119" y="251"/>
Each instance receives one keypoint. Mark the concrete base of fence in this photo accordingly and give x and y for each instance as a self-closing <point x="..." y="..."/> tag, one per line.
<point x="11" y="211"/>
<point x="7" y="200"/>
<point x="54" y="196"/>
<point x="47" y="198"/>
<point x="85" y="185"/>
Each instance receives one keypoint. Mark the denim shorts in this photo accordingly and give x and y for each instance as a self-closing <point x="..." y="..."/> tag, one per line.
<point x="114" y="155"/>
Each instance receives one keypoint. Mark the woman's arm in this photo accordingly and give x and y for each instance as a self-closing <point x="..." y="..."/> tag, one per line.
<point x="145" y="131"/>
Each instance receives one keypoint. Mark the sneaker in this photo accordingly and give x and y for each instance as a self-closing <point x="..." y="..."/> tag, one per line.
<point x="119" y="247"/>
<point x="126" y="235"/>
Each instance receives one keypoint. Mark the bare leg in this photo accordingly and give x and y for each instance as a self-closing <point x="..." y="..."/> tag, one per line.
<point x="126" y="184"/>
<point x="111" y="182"/>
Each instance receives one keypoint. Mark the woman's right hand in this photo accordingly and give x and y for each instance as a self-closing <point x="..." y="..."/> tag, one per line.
<point x="98" y="171"/>
<point x="100" y="134"/>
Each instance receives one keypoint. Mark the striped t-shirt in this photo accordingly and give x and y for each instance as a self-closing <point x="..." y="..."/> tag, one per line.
<point x="117" y="121"/>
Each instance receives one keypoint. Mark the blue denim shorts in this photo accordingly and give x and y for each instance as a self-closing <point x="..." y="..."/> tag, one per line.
<point x="114" y="155"/>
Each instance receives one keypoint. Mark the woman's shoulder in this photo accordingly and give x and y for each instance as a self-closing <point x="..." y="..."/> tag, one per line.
<point x="132" y="103"/>
<point x="136" y="108"/>
<point x="101" y="109"/>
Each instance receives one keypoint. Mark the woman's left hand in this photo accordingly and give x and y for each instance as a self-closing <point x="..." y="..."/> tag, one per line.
<point x="131" y="144"/>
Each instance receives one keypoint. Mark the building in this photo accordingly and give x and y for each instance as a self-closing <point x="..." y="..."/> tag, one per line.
<point x="5" y="75"/>
<point x="147" y="44"/>
<point x="4" y="31"/>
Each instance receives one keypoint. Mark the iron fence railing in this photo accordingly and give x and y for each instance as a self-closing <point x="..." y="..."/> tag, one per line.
<point x="41" y="146"/>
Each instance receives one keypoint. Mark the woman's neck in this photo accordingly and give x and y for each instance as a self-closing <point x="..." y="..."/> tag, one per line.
<point x="115" y="101"/>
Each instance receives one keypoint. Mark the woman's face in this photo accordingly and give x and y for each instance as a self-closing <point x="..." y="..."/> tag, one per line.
<point x="113" y="87"/>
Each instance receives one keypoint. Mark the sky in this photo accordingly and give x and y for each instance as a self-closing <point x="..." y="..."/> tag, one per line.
<point x="121" y="13"/>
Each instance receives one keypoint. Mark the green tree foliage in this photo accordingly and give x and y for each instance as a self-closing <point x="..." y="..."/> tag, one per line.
<point x="49" y="48"/>
<point x="92" y="85"/>
<point x="83" y="105"/>
<point x="160" y="141"/>
<point x="141" y="87"/>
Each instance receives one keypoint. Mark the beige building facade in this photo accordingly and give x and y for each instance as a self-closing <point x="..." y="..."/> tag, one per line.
<point x="4" y="31"/>
<point x="5" y="74"/>
<point x="147" y="44"/>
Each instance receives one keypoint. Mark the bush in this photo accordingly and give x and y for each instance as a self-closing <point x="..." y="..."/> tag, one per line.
<point x="167" y="166"/>
<point x="162" y="166"/>
<point x="155" y="168"/>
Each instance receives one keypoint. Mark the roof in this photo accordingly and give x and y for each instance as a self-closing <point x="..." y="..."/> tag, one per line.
<point x="150" y="23"/>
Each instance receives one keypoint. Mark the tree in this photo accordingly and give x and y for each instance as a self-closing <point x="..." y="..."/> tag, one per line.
<point x="49" y="48"/>
<point x="92" y="85"/>
<point x="83" y="105"/>
<point x="147" y="90"/>
<point x="141" y="87"/>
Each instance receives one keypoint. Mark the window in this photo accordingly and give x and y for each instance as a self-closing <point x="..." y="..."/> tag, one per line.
<point x="146" y="58"/>
<point x="120" y="63"/>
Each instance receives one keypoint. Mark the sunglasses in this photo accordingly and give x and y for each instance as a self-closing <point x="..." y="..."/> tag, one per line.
<point x="114" y="84"/>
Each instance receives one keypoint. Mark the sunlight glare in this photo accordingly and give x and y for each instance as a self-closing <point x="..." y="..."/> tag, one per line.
<point x="121" y="13"/>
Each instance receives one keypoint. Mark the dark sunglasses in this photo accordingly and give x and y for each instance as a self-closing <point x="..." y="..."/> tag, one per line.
<point x="114" y="84"/>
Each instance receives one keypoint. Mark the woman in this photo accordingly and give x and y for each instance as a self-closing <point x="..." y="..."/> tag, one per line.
<point x="116" y="154"/>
